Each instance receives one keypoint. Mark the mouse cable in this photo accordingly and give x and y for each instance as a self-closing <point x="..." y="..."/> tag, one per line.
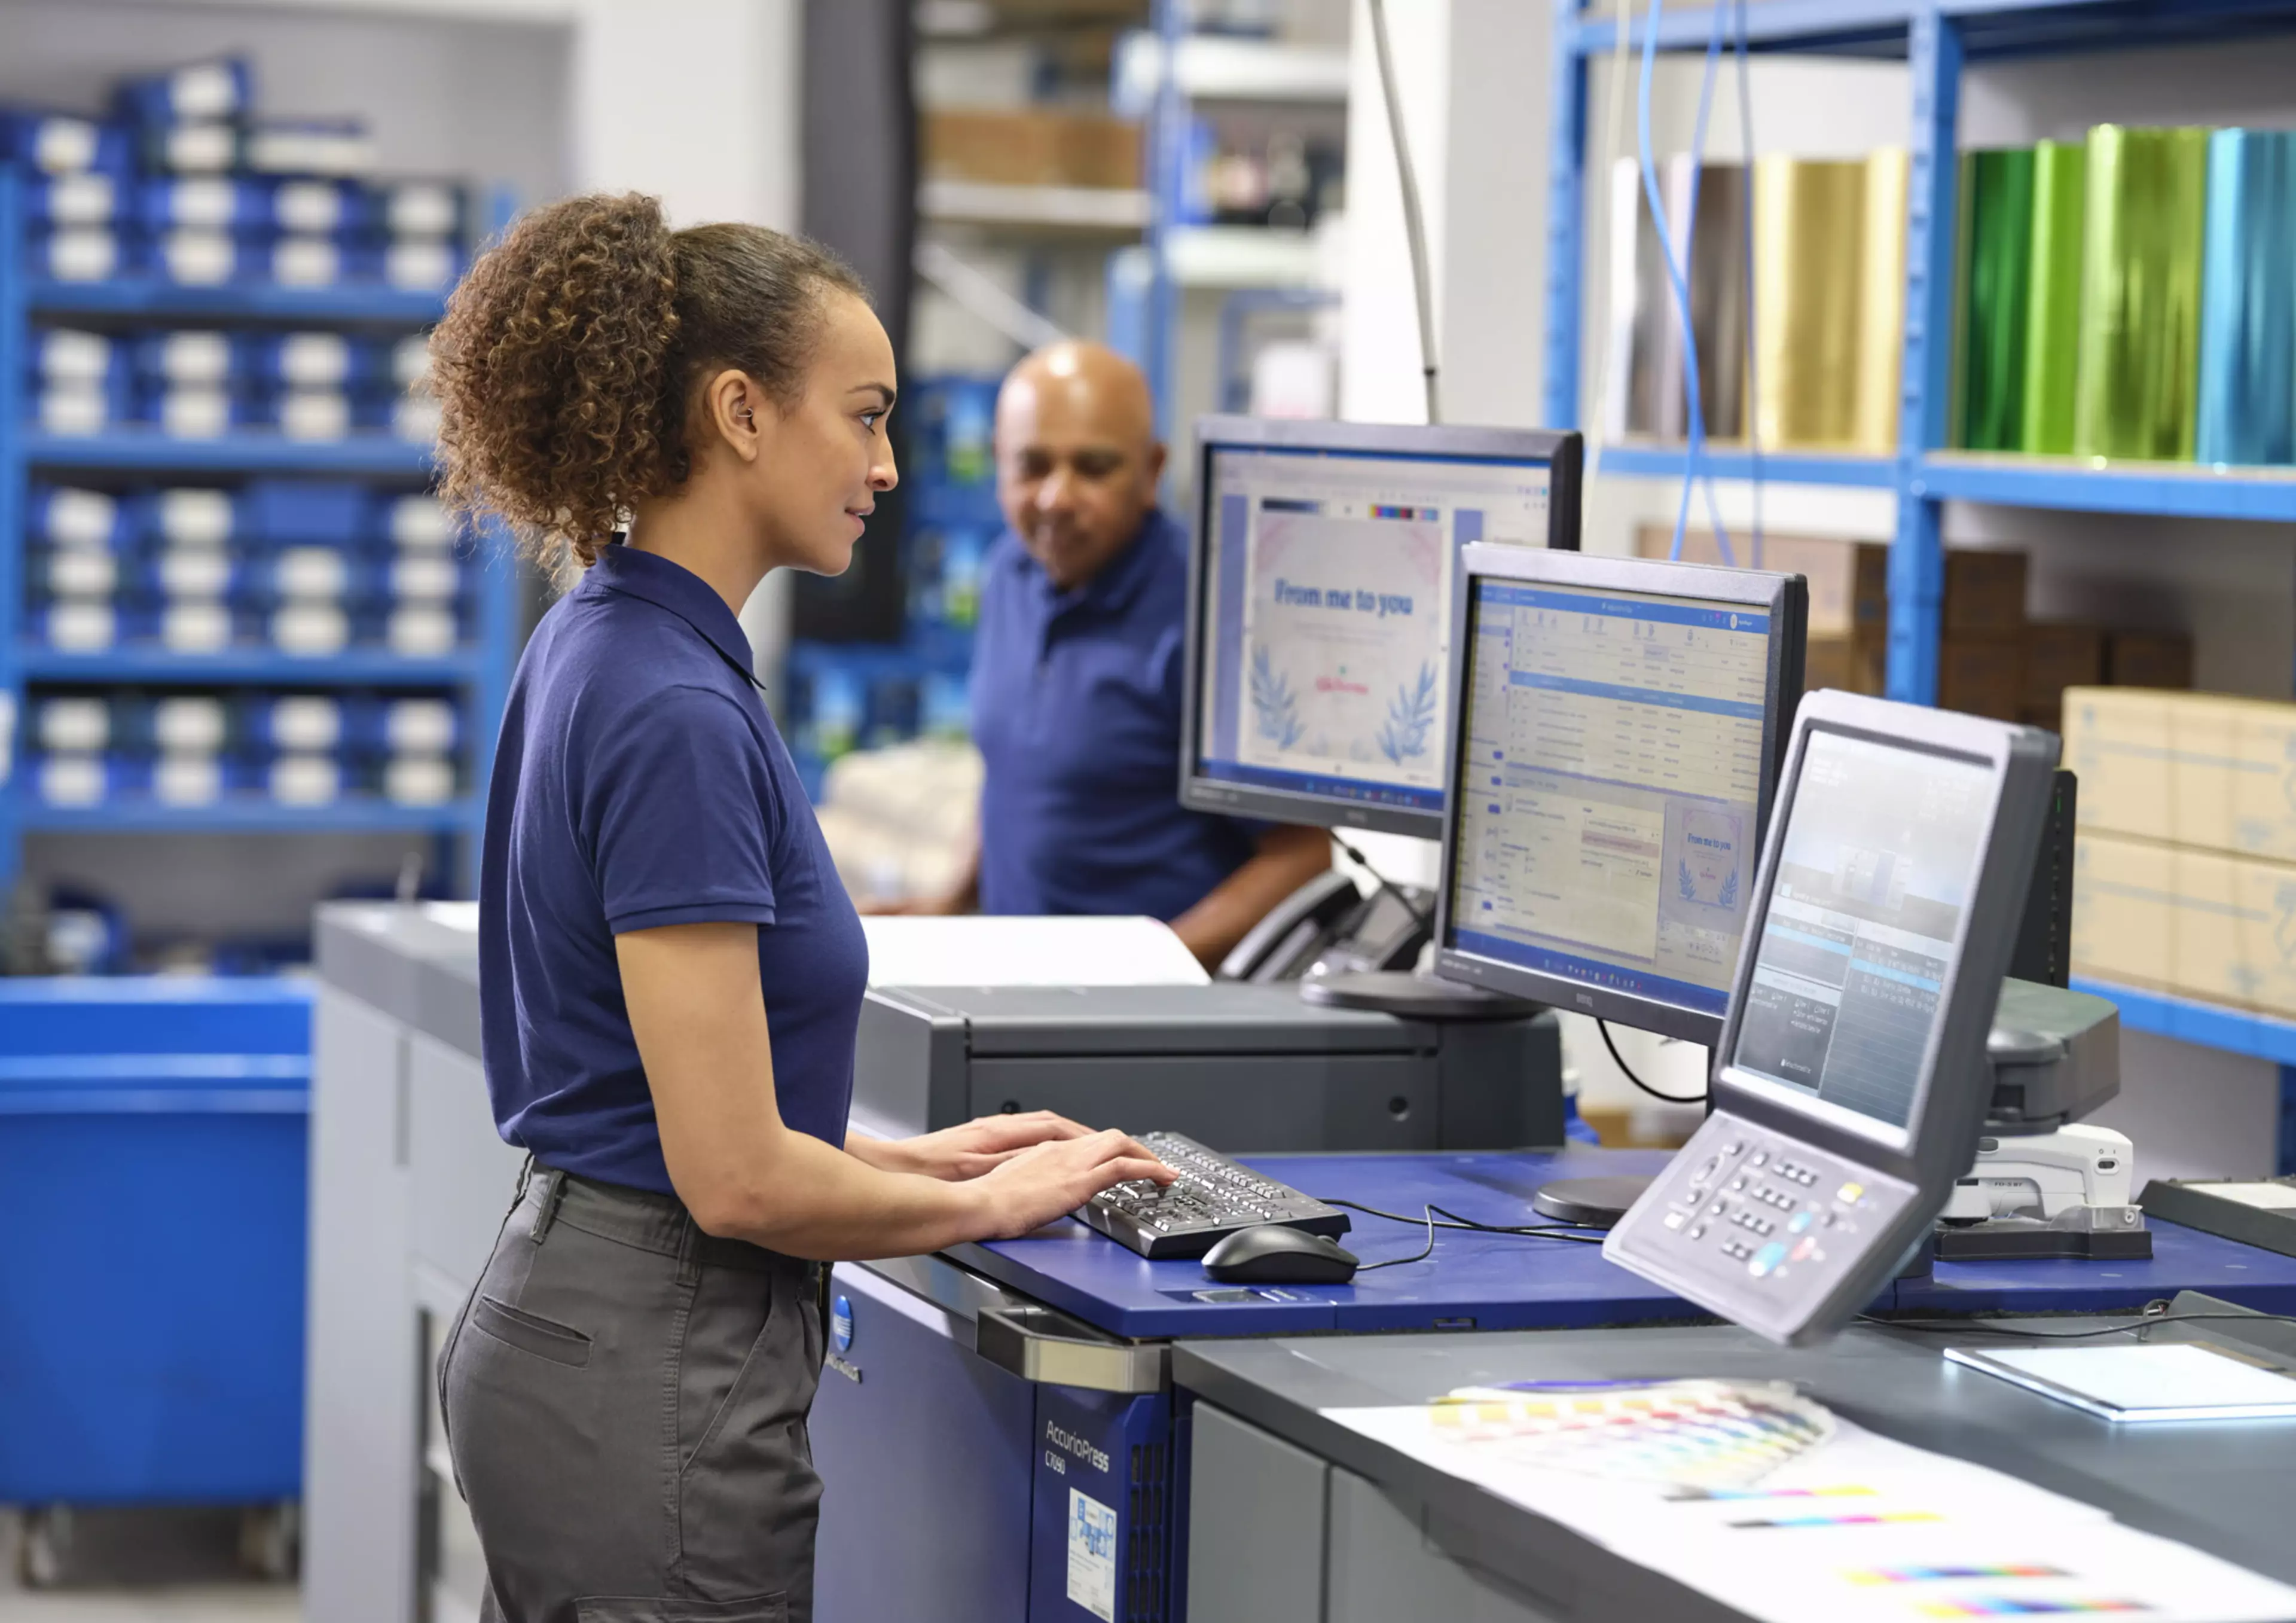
<point x="2155" y="1312"/>
<point x="1421" y="1254"/>
<point x="1619" y="1059"/>
<point x="1453" y="1220"/>
<point x="1424" y="919"/>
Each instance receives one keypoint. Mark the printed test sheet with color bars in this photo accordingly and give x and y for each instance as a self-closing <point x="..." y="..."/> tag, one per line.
<point x="1753" y="1493"/>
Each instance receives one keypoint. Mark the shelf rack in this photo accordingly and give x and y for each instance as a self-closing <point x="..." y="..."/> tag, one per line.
<point x="1173" y="70"/>
<point x="477" y="674"/>
<point x="1936" y="39"/>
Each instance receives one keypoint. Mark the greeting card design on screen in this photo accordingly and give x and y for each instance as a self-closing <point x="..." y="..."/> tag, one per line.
<point x="1345" y="632"/>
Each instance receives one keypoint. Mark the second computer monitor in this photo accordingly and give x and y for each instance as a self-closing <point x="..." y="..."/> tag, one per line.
<point x="1321" y="607"/>
<point x="1622" y="728"/>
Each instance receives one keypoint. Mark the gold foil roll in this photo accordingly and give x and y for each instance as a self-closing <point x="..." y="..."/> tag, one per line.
<point x="1882" y="302"/>
<point x="1810" y="299"/>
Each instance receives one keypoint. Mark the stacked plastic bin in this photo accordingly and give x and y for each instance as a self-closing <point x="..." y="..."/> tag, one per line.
<point x="844" y="696"/>
<point x="226" y="599"/>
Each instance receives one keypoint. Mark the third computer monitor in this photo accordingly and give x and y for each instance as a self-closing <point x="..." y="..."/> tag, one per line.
<point x="1320" y="607"/>
<point x="1623" y="725"/>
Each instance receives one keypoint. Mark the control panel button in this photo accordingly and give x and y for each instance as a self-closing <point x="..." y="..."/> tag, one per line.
<point x="1766" y="1259"/>
<point x="1849" y="1194"/>
<point x="1804" y="1249"/>
<point x="1698" y="1230"/>
<point x="1675" y="1219"/>
<point x="1760" y="1157"/>
<point x="1800" y="1221"/>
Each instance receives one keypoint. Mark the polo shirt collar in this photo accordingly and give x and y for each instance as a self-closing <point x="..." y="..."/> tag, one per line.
<point x="654" y="578"/>
<point x="1111" y="591"/>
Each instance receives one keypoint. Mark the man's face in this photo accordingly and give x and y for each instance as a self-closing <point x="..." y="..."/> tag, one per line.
<point x="1076" y="466"/>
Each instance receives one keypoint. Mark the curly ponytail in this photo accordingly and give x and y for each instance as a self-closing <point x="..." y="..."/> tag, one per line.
<point x="566" y="366"/>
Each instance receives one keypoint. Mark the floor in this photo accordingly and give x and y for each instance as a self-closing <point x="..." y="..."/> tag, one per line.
<point x="158" y="1600"/>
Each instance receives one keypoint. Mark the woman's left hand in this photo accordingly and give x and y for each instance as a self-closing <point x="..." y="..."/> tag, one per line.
<point x="954" y="1154"/>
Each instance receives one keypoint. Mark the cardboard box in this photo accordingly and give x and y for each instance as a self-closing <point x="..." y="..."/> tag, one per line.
<point x="2148" y="658"/>
<point x="2058" y="657"/>
<point x="2197" y="770"/>
<point x="1849" y="588"/>
<point x="1984" y="594"/>
<point x="1030" y="147"/>
<point x="1855" y="665"/>
<point x="2197" y="923"/>
<point x="1980" y="675"/>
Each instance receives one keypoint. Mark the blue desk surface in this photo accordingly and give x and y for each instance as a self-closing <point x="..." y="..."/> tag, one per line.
<point x="1495" y="1282"/>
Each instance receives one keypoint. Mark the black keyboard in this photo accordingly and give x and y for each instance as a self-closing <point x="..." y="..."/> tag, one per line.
<point x="1211" y="1198"/>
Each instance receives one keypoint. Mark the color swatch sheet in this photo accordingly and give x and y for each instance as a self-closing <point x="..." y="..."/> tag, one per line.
<point x="1753" y="1493"/>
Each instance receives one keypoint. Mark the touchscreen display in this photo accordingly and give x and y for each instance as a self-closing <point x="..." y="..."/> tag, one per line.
<point x="1881" y="855"/>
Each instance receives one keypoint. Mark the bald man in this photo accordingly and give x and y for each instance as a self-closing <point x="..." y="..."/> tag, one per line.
<point x="1076" y="680"/>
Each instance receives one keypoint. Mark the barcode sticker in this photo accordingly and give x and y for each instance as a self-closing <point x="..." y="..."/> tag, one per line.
<point x="1092" y="1555"/>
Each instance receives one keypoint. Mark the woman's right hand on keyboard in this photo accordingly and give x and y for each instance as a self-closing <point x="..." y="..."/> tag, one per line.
<point x="1050" y="1180"/>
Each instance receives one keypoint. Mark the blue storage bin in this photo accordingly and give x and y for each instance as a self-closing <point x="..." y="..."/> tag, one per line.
<point x="223" y="88"/>
<point x="152" y="1173"/>
<point x="80" y="253"/>
<point x="185" y="355"/>
<point x="206" y="146"/>
<point x="313" y="360"/>
<point x="184" y="516"/>
<point x="212" y="202"/>
<point x="65" y="515"/>
<point x="65" y="144"/>
<point x="421" y="209"/>
<point x="90" y="199"/>
<point x="276" y="511"/>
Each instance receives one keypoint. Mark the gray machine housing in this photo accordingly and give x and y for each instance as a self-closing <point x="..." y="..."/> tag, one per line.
<point x="1240" y="1068"/>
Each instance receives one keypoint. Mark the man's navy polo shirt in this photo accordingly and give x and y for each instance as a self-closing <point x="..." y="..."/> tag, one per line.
<point x="640" y="782"/>
<point x="1076" y="707"/>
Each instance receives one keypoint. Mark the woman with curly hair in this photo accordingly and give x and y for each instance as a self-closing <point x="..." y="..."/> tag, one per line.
<point x="670" y="975"/>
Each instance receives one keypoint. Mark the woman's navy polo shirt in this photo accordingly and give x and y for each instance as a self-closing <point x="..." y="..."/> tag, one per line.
<point x="640" y="782"/>
<point x="1076" y="707"/>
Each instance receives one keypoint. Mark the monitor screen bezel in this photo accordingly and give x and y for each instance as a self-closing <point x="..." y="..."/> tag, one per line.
<point x="1783" y="597"/>
<point x="1562" y="455"/>
<point x="1865" y="1139"/>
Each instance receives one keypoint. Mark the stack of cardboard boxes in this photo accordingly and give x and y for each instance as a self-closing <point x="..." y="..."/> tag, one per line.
<point x="1031" y="146"/>
<point x="2185" y="863"/>
<point x="1991" y="660"/>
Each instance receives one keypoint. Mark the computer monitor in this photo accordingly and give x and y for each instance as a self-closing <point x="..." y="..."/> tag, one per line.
<point x="1851" y="1083"/>
<point x="1623" y="722"/>
<point x="1320" y="607"/>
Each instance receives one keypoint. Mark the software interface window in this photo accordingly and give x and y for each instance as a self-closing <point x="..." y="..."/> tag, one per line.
<point x="1880" y="852"/>
<point x="1329" y="604"/>
<point x="1609" y="787"/>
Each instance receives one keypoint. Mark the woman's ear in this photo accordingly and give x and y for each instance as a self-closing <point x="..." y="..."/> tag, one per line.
<point x="737" y="412"/>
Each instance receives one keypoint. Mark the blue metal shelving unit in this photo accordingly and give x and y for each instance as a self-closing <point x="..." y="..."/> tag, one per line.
<point x="477" y="674"/>
<point x="1936" y="39"/>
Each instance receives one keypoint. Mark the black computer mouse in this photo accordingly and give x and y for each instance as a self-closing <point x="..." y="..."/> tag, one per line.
<point x="1274" y="1254"/>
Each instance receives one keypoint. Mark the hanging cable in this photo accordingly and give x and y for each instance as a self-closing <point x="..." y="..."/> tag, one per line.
<point x="1419" y="916"/>
<point x="1674" y="261"/>
<point x="1415" y="229"/>
<point x="1627" y="1070"/>
<point x="1746" y="201"/>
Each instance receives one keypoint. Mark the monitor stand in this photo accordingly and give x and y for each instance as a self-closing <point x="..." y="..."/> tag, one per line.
<point x="1587" y="1202"/>
<point x="1407" y="996"/>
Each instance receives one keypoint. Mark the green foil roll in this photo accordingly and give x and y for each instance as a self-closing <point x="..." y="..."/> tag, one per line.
<point x="2052" y="311"/>
<point x="1996" y="276"/>
<point x="2140" y="357"/>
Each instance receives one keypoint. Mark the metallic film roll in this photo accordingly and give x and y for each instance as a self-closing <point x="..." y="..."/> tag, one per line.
<point x="1809" y="231"/>
<point x="1996" y="260"/>
<point x="1880" y="301"/>
<point x="2141" y="293"/>
<point x="2053" y="316"/>
<point x="2247" y="300"/>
